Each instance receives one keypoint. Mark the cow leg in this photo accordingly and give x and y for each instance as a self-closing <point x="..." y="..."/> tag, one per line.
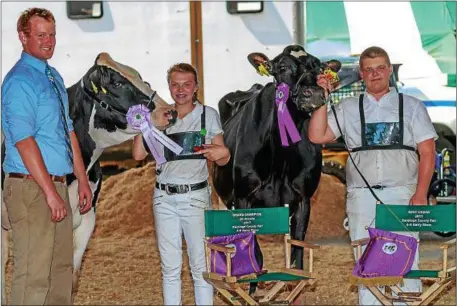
<point x="83" y="226"/>
<point x="299" y="225"/>
<point x="81" y="237"/>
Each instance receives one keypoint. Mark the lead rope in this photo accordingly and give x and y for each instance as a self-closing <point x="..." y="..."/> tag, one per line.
<point x="361" y="175"/>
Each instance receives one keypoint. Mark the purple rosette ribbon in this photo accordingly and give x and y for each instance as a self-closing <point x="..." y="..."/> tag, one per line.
<point x="285" y="122"/>
<point x="138" y="117"/>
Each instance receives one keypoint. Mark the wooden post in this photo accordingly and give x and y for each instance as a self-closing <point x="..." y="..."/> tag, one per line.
<point x="196" y="44"/>
<point x="196" y="49"/>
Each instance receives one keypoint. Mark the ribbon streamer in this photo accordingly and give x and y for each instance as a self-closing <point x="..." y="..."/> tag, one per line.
<point x="285" y="122"/>
<point x="138" y="116"/>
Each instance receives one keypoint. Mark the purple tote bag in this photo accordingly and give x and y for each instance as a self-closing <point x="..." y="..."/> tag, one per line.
<point x="387" y="254"/>
<point x="243" y="260"/>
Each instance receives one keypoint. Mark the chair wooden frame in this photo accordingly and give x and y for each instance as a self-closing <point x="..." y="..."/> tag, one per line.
<point x="231" y="287"/>
<point x="440" y="279"/>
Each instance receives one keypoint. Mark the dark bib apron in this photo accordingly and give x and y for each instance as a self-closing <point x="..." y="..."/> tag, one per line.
<point x="382" y="135"/>
<point x="188" y="141"/>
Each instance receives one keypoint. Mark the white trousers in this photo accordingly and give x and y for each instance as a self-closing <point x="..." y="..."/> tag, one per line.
<point x="361" y="211"/>
<point x="174" y="215"/>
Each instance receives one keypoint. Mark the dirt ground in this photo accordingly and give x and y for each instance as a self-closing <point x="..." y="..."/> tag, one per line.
<point x="122" y="265"/>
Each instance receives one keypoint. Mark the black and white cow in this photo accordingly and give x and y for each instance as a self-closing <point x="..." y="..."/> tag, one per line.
<point x="98" y="106"/>
<point x="263" y="172"/>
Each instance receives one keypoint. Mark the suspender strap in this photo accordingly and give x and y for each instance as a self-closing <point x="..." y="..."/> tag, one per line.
<point x="203" y="125"/>
<point x="400" y="114"/>
<point x="362" y="122"/>
<point x="385" y="147"/>
<point x="182" y="157"/>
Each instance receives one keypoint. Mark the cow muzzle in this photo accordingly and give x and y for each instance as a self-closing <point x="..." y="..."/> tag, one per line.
<point x="309" y="98"/>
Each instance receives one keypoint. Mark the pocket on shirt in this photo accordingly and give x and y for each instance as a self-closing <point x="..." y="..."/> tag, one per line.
<point x="47" y="97"/>
<point x="49" y="102"/>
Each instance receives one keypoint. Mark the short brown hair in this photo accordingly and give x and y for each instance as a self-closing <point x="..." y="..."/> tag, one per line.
<point x="184" y="67"/>
<point x="373" y="52"/>
<point x="23" y="23"/>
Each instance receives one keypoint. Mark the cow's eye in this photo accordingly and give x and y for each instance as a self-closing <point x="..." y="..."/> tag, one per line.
<point x="117" y="85"/>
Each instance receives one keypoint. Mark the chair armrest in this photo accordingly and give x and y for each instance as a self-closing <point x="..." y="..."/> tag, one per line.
<point x="220" y="248"/>
<point x="303" y="244"/>
<point x="359" y="242"/>
<point x="447" y="244"/>
<point x="294" y="271"/>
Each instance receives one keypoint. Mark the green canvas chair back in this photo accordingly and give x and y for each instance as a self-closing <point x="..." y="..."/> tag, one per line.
<point x="436" y="218"/>
<point x="263" y="221"/>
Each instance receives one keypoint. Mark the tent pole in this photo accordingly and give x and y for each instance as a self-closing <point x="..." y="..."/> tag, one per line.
<point x="298" y="17"/>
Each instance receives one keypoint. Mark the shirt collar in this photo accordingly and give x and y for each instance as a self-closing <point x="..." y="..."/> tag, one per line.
<point x="387" y="95"/>
<point x="198" y="110"/>
<point x="34" y="62"/>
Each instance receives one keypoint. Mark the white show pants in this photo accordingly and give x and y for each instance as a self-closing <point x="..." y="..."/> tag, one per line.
<point x="173" y="215"/>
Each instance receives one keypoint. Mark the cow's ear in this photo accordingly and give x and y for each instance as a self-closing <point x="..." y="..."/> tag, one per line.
<point x="334" y="64"/>
<point x="261" y="63"/>
<point x="94" y="79"/>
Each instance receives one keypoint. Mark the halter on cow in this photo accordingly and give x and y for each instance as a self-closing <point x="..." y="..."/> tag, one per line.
<point x="98" y="106"/>
<point x="268" y="169"/>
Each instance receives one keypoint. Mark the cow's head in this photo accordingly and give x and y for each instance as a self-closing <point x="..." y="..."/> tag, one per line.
<point x="299" y="70"/>
<point x="116" y="87"/>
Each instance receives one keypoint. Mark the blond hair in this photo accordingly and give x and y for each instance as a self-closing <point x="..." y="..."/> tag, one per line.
<point x="373" y="52"/>
<point x="184" y="67"/>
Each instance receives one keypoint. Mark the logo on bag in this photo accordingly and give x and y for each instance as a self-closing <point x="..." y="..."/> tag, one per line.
<point x="231" y="245"/>
<point x="389" y="248"/>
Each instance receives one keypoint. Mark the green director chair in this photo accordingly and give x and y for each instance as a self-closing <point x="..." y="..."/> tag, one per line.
<point x="400" y="218"/>
<point x="266" y="221"/>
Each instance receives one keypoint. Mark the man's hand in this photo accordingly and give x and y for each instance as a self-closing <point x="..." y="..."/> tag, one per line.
<point x="325" y="83"/>
<point x="57" y="207"/>
<point x="85" y="196"/>
<point x="418" y="199"/>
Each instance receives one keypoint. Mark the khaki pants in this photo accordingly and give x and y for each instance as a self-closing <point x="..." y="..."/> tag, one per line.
<point x="42" y="249"/>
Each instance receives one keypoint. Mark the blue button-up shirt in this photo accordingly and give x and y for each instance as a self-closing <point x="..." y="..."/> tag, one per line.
<point x="30" y="107"/>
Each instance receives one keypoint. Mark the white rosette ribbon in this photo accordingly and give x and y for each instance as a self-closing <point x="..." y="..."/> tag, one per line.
<point x="138" y="117"/>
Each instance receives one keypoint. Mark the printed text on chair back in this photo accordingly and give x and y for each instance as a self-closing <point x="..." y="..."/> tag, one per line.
<point x="417" y="218"/>
<point x="261" y="220"/>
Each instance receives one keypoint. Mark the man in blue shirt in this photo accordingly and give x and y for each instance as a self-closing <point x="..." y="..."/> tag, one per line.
<point x="41" y="148"/>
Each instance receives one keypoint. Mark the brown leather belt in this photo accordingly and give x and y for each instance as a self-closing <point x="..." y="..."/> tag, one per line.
<point x="55" y="178"/>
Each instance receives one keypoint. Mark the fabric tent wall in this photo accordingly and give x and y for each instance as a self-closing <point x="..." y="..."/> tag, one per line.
<point x="327" y="32"/>
<point x="420" y="35"/>
<point x="452" y="8"/>
<point x="438" y="33"/>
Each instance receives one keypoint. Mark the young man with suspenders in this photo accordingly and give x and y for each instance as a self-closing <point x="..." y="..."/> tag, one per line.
<point x="392" y="140"/>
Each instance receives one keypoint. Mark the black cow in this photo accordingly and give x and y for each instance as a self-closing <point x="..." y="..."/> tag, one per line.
<point x="262" y="172"/>
<point x="98" y="106"/>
